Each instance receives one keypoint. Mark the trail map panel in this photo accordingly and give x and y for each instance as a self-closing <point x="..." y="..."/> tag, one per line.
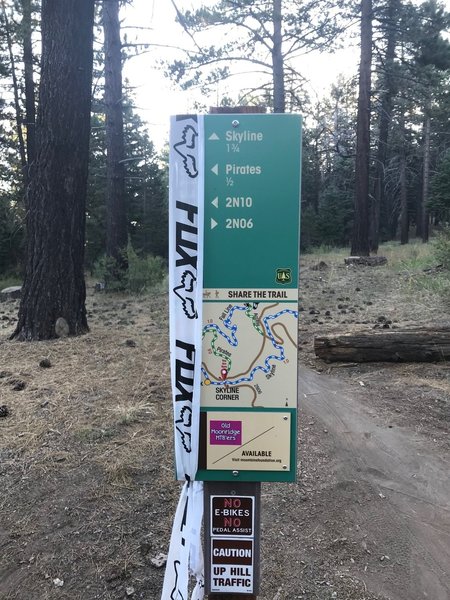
<point x="250" y="296"/>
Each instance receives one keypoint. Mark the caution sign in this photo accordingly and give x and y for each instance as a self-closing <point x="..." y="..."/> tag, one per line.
<point x="232" y="515"/>
<point x="232" y="565"/>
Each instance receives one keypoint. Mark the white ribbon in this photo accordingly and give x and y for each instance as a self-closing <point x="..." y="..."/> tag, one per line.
<point x="186" y="189"/>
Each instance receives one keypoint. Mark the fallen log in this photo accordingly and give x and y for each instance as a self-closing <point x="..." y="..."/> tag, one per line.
<point x="397" y="345"/>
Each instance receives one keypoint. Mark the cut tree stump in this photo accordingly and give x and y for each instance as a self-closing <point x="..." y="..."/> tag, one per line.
<point x="399" y="345"/>
<point x="11" y="293"/>
<point x="366" y="261"/>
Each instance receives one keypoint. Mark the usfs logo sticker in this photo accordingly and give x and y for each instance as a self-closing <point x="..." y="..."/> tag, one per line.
<point x="284" y="276"/>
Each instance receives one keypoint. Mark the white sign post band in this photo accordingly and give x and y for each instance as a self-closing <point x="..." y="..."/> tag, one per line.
<point x="186" y="189"/>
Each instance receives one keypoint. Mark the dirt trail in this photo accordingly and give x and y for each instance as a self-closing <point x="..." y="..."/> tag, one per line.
<point x="412" y="524"/>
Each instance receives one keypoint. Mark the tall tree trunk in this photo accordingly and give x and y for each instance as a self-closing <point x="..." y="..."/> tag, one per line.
<point x="279" y="99"/>
<point x="54" y="284"/>
<point x="360" y="238"/>
<point x="377" y="204"/>
<point x="419" y="210"/>
<point x="30" y="110"/>
<point x="116" y="224"/>
<point x="426" y="176"/>
<point x="404" y="216"/>
<point x="317" y="176"/>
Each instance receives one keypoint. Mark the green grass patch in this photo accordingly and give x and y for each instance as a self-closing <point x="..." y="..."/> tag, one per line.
<point x="92" y="435"/>
<point x="325" y="251"/>
<point x="415" y="256"/>
<point x="416" y="264"/>
<point x="435" y="283"/>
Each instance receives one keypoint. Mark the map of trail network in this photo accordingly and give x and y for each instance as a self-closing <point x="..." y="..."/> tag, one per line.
<point x="249" y="352"/>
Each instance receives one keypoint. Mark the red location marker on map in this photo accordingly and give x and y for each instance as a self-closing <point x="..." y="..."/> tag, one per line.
<point x="223" y="374"/>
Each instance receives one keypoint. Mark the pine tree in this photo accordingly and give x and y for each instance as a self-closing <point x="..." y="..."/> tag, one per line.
<point x="266" y="35"/>
<point x="116" y="224"/>
<point x="360" y="238"/>
<point x="54" y="284"/>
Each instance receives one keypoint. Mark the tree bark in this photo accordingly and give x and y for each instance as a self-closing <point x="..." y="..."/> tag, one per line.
<point x="377" y="204"/>
<point x="413" y="345"/>
<point x="279" y="99"/>
<point x="404" y="216"/>
<point x="116" y="221"/>
<point x="360" y="238"/>
<point x="54" y="284"/>
<point x="426" y="177"/>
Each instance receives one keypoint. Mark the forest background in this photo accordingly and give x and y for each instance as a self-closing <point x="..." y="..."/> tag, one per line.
<point x="376" y="160"/>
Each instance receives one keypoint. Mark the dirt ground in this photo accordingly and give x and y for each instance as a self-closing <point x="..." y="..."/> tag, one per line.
<point x="86" y="465"/>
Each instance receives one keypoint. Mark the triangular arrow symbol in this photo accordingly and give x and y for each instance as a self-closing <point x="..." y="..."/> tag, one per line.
<point x="215" y="202"/>
<point x="214" y="137"/>
<point x="213" y="223"/>
<point x="215" y="169"/>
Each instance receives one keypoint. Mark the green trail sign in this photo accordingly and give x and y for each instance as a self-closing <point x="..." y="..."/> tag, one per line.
<point x="250" y="297"/>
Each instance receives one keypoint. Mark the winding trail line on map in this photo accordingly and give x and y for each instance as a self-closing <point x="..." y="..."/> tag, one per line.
<point x="212" y="376"/>
<point x="233" y="341"/>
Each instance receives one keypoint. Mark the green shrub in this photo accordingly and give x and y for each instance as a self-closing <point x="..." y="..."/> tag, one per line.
<point x="108" y="271"/>
<point x="441" y="248"/>
<point x="144" y="273"/>
<point x="141" y="274"/>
